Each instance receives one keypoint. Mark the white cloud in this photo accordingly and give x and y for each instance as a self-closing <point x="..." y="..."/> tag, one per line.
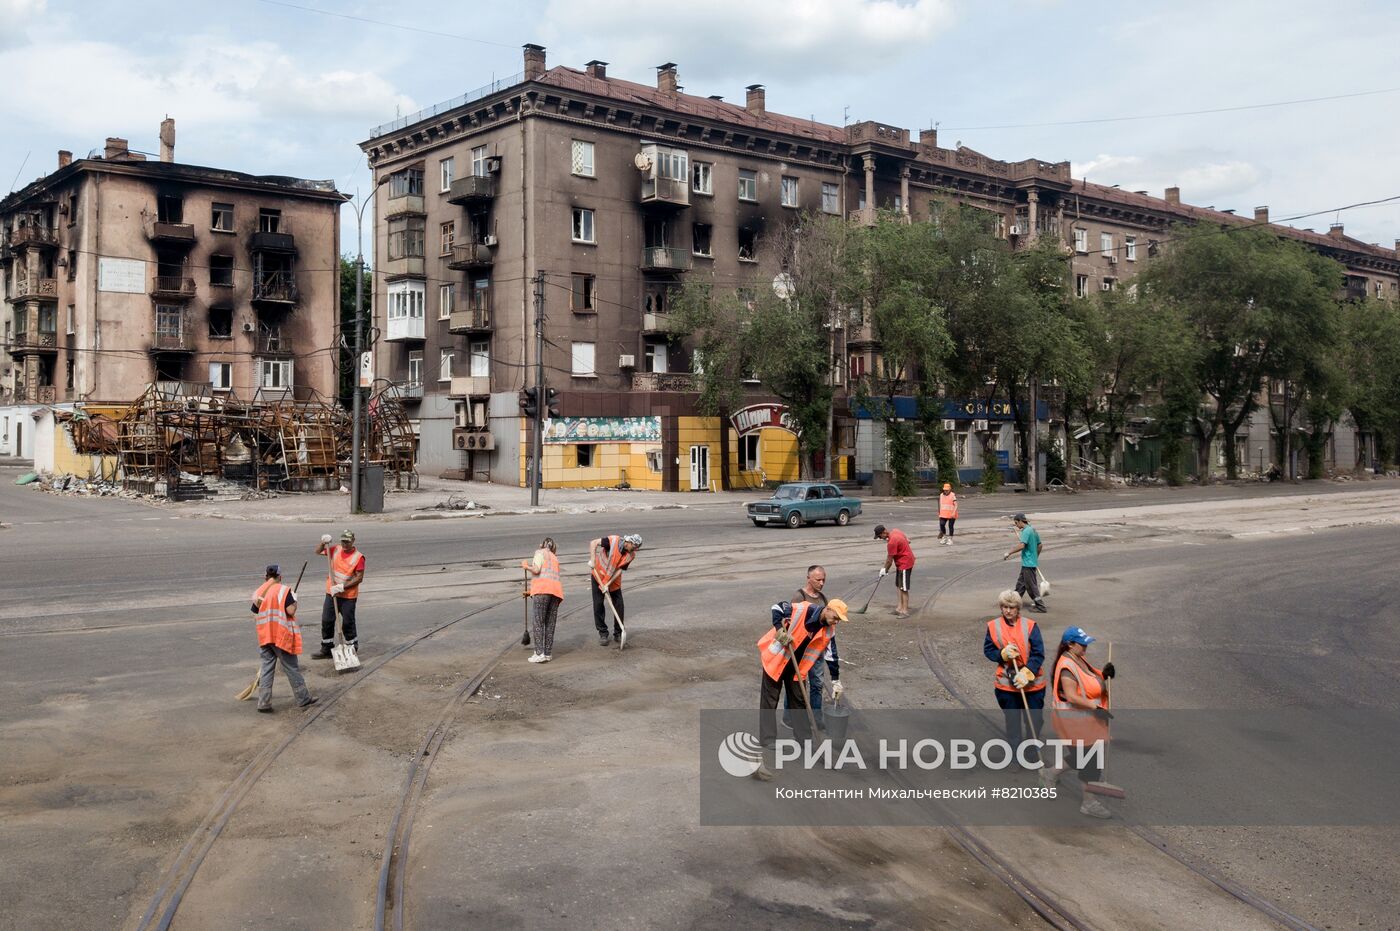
<point x="15" y="17"/>
<point x="755" y="41"/>
<point x="1202" y="181"/>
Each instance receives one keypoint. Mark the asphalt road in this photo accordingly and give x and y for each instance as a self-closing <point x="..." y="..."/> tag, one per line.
<point x="122" y="628"/>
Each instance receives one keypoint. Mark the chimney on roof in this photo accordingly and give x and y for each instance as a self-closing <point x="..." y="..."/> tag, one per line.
<point x="1261" y="214"/>
<point x="116" y="149"/>
<point x="928" y="138"/>
<point x="666" y="78"/>
<point x="1173" y="195"/>
<point x="534" y="61"/>
<point x="717" y="98"/>
<point x="167" y="140"/>
<point x="1335" y="231"/>
<point x="65" y="158"/>
<point x="754" y="100"/>
<point x="597" y="69"/>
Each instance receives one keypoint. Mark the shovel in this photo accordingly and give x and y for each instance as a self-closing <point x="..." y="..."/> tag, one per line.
<point x="342" y="654"/>
<point x="621" y="637"/>
<point x="866" y="607"/>
<point x="806" y="698"/>
<point x="247" y="693"/>
<point x="1099" y="786"/>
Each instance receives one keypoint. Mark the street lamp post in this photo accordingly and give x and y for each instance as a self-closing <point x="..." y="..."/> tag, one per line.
<point x="357" y="402"/>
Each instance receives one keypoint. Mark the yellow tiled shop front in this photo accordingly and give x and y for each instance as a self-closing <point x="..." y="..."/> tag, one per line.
<point x="640" y="465"/>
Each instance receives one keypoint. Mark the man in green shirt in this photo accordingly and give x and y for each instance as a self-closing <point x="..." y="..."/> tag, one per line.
<point x="1029" y="548"/>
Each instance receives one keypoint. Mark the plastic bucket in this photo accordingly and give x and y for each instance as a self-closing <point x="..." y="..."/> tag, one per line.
<point x="836" y="716"/>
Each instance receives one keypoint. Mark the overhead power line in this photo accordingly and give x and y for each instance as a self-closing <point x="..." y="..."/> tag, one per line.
<point x="1162" y="116"/>
<point x="387" y="25"/>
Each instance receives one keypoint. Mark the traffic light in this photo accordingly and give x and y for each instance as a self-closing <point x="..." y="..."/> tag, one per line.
<point x="551" y="402"/>
<point x="529" y="402"/>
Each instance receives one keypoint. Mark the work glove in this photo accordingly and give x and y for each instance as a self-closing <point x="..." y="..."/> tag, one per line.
<point x="326" y="539"/>
<point x="837" y="690"/>
<point x="1022" y="678"/>
<point x="1005" y="557"/>
<point x="337" y="589"/>
<point x="1103" y="715"/>
<point x="1108" y="670"/>
<point x="884" y="572"/>
<point x="784" y="637"/>
<point x="1010" y="652"/>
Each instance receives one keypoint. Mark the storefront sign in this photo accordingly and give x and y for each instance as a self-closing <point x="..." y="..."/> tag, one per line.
<point x="566" y="430"/>
<point x="757" y="417"/>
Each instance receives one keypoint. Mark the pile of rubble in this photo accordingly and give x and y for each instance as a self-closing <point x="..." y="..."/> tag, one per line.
<point x="68" y="484"/>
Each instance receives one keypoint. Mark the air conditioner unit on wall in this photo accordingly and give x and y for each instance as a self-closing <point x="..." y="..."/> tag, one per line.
<point x="979" y="426"/>
<point x="628" y="361"/>
<point x="950" y="425"/>
<point x="481" y="441"/>
<point x="488" y="240"/>
<point x="459" y="441"/>
<point x="493" y="164"/>
<point x="1016" y="229"/>
<point x="1113" y="260"/>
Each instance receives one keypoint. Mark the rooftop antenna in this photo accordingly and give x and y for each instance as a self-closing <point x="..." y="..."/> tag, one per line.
<point x="846" y="115"/>
<point x="21" y="168"/>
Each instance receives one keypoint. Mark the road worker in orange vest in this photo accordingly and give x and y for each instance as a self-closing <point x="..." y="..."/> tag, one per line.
<point x="546" y="594"/>
<point x="279" y="639"/>
<point x="1079" y="708"/>
<point x="607" y="558"/>
<point x="800" y="632"/>
<point x="347" y="571"/>
<point x="1013" y="642"/>
<point x="947" y="514"/>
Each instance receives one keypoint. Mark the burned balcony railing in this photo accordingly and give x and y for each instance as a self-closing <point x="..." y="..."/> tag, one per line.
<point x="172" y="287"/>
<point x="467" y="255"/>
<point x="32" y="234"/>
<point x="473" y="189"/>
<point x="276" y="288"/>
<point x="665" y="259"/>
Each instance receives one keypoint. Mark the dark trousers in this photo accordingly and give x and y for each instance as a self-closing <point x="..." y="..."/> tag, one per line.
<point x="945" y="526"/>
<point x="1028" y="581"/>
<point x="1015" y="714"/>
<point x="768" y="706"/>
<point x="600" y="609"/>
<point x="347" y="621"/>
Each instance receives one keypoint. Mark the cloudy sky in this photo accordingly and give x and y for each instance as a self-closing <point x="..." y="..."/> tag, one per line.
<point x="279" y="88"/>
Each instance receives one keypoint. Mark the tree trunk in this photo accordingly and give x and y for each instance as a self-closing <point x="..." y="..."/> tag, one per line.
<point x="724" y="449"/>
<point x="1203" y="441"/>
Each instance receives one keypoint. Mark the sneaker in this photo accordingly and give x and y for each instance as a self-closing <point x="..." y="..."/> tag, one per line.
<point x="546" y="658"/>
<point x="1094" y="808"/>
<point x="602" y="640"/>
<point x="535" y="658"/>
<point x="948" y="542"/>
<point x="1039" y="606"/>
<point x="265" y="709"/>
<point x="324" y="654"/>
<point x="1049" y="776"/>
<point x="901" y="614"/>
<point x="310" y="700"/>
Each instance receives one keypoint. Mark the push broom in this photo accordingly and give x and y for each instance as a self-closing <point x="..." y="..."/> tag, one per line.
<point x="1100" y="786"/>
<point x="247" y="693"/>
<point x="866" y="607"/>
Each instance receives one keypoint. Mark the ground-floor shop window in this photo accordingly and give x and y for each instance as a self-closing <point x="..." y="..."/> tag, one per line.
<point x="748" y="453"/>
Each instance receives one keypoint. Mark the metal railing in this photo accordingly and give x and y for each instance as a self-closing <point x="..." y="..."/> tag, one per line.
<point x="33" y="234"/>
<point x="665" y="258"/>
<point x="173" y="284"/>
<point x="280" y="287"/>
<point x="447" y="105"/>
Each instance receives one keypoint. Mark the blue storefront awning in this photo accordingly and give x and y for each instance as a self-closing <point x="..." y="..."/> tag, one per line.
<point x="906" y="408"/>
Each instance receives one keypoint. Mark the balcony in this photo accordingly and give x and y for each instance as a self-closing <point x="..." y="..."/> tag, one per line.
<point x="663" y="381"/>
<point x="656" y="323"/>
<point x="261" y="241"/>
<point x="473" y="189"/>
<point x="863" y="216"/>
<point x="172" y="287"/>
<point x="277" y="288"/>
<point x="665" y="259"/>
<point x="402" y="329"/>
<point x="469" y="321"/>
<point x="34" y="342"/>
<point x="34" y="289"/>
<point x="273" y="343"/>
<point x="33" y="235"/>
<point x="39" y="394"/>
<point x="172" y="341"/>
<point x="403" y="205"/>
<point x="411" y="391"/>
<point x="180" y="234"/>
<point x="671" y="192"/>
<point x="409" y="266"/>
<point x="467" y="255"/>
<point x="467" y="385"/>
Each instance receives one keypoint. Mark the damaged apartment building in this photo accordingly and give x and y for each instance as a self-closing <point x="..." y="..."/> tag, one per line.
<point x="122" y="271"/>
<point x="612" y="192"/>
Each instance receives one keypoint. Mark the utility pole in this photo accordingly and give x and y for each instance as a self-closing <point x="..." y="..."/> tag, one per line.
<point x="831" y="401"/>
<point x="357" y="402"/>
<point x="537" y="428"/>
<point x="1033" y="439"/>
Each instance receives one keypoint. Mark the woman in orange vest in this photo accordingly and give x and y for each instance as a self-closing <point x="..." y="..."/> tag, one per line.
<point x="1013" y="643"/>
<point x="546" y="594"/>
<point x="947" y="514"/>
<point x="1079" y="708"/>
<point x="279" y="639"/>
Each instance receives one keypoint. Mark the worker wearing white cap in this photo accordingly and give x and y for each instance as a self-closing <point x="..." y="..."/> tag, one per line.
<point x="607" y="558"/>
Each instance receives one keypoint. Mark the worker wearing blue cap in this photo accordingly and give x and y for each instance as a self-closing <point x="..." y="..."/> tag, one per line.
<point x="1079" y="707"/>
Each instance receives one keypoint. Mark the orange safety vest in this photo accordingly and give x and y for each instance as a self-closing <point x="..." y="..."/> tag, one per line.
<point x="1019" y="634"/>
<point x="275" y="627"/>
<point x="616" y="560"/>
<point x="775" y="658"/>
<point x="1076" y="724"/>
<point x="547" y="582"/>
<point x="342" y="567"/>
<point x="947" y="505"/>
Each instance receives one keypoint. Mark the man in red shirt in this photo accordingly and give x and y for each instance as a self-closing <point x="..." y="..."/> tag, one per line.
<point x="901" y="557"/>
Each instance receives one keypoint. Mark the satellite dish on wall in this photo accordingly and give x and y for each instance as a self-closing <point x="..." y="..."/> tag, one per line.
<point x="783" y="285"/>
<point x="642" y="161"/>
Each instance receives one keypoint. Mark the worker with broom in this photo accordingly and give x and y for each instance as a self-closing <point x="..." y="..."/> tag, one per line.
<point x="1079" y="711"/>
<point x="279" y="639"/>
<point x="899" y="556"/>
<point x="788" y="651"/>
<point x="812" y="592"/>
<point x="546" y="594"/>
<point x="607" y="558"/>
<point x="1013" y="642"/>
<point x="347" y="571"/>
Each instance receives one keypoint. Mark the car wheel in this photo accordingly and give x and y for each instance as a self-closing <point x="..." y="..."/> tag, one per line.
<point x="794" y="520"/>
<point x="843" y="518"/>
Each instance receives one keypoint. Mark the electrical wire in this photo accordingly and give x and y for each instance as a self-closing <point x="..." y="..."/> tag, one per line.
<point x="388" y="25"/>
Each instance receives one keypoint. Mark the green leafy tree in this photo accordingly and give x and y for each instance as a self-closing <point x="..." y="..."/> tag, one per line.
<point x="1370" y="344"/>
<point x="347" y="366"/>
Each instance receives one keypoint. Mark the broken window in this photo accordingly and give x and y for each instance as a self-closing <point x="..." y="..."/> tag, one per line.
<point x="656" y="358"/>
<point x="220" y="322"/>
<point x="789" y="191"/>
<point x="170" y="209"/>
<point x="748" y="245"/>
<point x="405" y="183"/>
<point x="221" y="271"/>
<point x="222" y="219"/>
<point x="701" y="235"/>
<point x="269" y="220"/>
<point x="581" y="298"/>
<point x="703" y="174"/>
<point x="583" y="225"/>
<point x="447" y="233"/>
